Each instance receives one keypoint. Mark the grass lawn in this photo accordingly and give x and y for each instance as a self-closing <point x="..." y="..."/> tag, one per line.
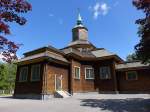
<point x="5" y="94"/>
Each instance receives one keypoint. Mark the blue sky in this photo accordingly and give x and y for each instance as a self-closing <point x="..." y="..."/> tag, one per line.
<point x="111" y="24"/>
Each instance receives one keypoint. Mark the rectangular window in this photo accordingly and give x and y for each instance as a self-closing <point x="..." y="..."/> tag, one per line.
<point x="23" y="74"/>
<point x="89" y="73"/>
<point x="77" y="72"/>
<point x="35" y="72"/>
<point x="105" y="73"/>
<point x="132" y="75"/>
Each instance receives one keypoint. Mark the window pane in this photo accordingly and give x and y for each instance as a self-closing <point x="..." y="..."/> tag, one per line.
<point x="89" y="72"/>
<point x="23" y="74"/>
<point x="132" y="75"/>
<point x="35" y="71"/>
<point x="77" y="72"/>
<point x="105" y="73"/>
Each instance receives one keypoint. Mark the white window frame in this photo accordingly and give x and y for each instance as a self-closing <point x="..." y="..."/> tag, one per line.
<point x="127" y="78"/>
<point x="108" y="67"/>
<point x="91" y="68"/>
<point x="20" y="80"/>
<point x="75" y="72"/>
<point x="39" y="72"/>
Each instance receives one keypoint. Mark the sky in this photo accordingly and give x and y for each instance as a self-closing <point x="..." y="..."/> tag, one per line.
<point x="111" y="24"/>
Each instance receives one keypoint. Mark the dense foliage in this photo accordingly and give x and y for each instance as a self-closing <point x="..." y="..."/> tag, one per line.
<point x="10" y="11"/>
<point x="132" y="57"/>
<point x="143" y="47"/>
<point x="7" y="76"/>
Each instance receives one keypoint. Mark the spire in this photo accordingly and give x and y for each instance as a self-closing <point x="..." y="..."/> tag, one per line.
<point x="79" y="20"/>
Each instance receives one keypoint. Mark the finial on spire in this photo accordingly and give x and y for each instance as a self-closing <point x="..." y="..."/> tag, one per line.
<point x="79" y="20"/>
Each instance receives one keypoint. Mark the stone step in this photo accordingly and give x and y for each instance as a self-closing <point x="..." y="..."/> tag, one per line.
<point x="61" y="94"/>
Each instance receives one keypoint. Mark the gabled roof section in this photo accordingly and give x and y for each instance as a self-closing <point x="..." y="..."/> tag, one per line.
<point x="102" y="53"/>
<point x="45" y="55"/>
<point x="79" y="44"/>
<point x="97" y="54"/>
<point x="43" y="49"/>
<point x="47" y="52"/>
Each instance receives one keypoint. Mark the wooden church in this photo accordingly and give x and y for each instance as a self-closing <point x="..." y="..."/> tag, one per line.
<point x="79" y="67"/>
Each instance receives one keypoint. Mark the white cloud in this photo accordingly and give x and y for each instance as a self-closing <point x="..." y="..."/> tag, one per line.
<point x="97" y="6"/>
<point x="105" y="8"/>
<point x="99" y="9"/>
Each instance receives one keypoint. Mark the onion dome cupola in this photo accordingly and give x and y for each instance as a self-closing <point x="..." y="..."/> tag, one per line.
<point x="79" y="32"/>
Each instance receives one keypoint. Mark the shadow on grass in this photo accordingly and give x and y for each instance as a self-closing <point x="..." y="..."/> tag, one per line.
<point x="119" y="105"/>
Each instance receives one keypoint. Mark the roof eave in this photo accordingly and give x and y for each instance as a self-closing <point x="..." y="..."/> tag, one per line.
<point x="132" y="68"/>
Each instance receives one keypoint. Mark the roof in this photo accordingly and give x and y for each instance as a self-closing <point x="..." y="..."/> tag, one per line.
<point x="77" y="52"/>
<point x="43" y="49"/>
<point x="102" y="53"/>
<point x="51" y="52"/>
<point x="44" y="54"/>
<point x="98" y="54"/>
<point x="131" y="65"/>
<point x="79" y="42"/>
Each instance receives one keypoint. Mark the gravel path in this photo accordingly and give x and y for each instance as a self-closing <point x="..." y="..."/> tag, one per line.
<point x="80" y="103"/>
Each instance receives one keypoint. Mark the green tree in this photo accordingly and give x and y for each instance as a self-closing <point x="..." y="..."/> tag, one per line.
<point x="7" y="76"/>
<point x="132" y="57"/>
<point x="143" y="47"/>
<point x="3" y="74"/>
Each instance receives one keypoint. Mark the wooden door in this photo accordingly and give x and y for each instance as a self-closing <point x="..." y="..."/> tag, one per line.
<point x="58" y="82"/>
